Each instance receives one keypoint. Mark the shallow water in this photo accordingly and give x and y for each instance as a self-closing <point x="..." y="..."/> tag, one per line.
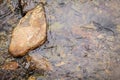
<point x="83" y="39"/>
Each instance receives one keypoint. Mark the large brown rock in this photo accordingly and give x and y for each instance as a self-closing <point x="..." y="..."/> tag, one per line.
<point x="29" y="33"/>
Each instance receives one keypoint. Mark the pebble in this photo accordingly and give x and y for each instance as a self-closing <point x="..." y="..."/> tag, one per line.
<point x="10" y="66"/>
<point x="40" y="62"/>
<point x="32" y="78"/>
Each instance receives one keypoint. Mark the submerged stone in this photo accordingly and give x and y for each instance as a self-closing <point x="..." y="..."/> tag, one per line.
<point x="29" y="33"/>
<point x="10" y="66"/>
<point x="40" y="62"/>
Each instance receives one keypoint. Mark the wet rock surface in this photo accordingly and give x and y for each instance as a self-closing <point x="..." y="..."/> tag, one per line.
<point x="82" y="44"/>
<point x="29" y="33"/>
